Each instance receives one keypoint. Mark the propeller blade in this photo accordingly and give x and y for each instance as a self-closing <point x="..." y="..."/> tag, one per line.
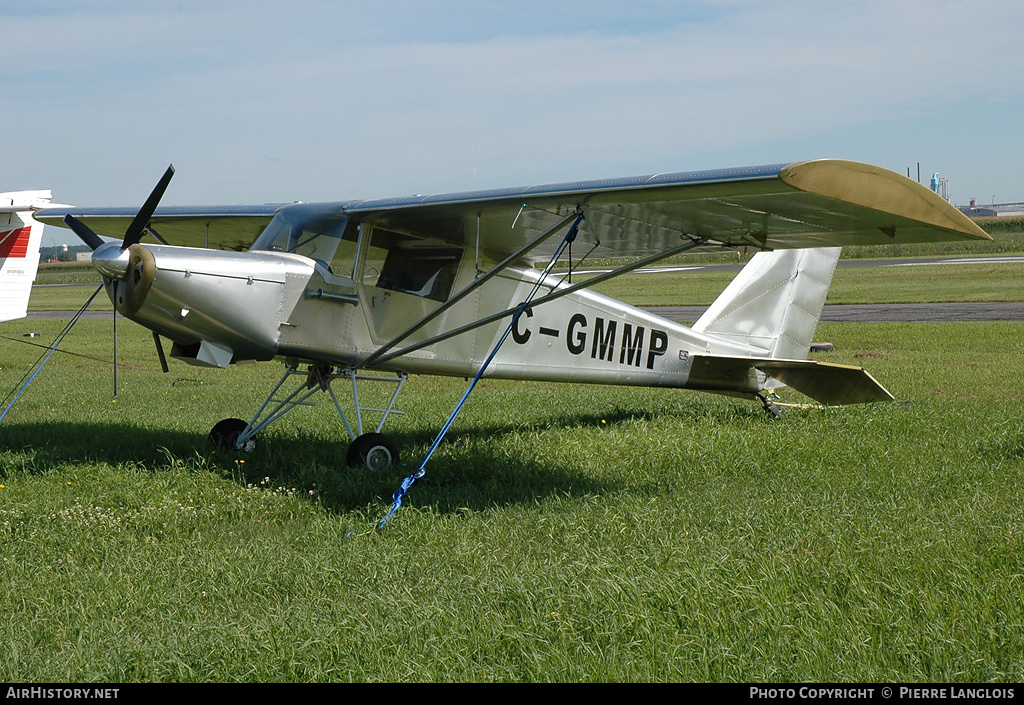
<point x="135" y="231"/>
<point x="83" y="231"/>
<point x="115" y="339"/>
<point x="160" y="352"/>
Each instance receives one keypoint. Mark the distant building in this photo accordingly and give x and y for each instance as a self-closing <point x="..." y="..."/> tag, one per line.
<point x="996" y="210"/>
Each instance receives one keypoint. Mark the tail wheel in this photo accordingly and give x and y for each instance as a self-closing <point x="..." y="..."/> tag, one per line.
<point x="225" y="436"/>
<point x="373" y="451"/>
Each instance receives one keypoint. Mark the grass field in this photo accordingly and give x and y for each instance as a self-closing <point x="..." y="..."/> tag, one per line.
<point x="562" y="532"/>
<point x="858" y="285"/>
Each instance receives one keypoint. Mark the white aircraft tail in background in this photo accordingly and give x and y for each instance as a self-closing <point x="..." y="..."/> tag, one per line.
<point x="20" y="238"/>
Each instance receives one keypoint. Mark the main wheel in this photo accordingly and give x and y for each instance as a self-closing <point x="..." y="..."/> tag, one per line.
<point x="225" y="435"/>
<point x="373" y="451"/>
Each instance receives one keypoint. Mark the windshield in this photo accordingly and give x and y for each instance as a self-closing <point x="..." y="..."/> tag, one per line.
<point x="329" y="238"/>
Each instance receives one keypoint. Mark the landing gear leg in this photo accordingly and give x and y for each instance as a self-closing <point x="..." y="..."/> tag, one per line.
<point x="374" y="451"/>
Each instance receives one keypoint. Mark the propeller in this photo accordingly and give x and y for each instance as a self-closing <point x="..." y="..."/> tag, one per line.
<point x="127" y="270"/>
<point x="82" y="231"/>
<point x="138" y="225"/>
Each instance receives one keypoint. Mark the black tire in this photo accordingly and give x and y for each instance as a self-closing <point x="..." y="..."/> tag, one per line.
<point x="373" y="451"/>
<point x="225" y="435"/>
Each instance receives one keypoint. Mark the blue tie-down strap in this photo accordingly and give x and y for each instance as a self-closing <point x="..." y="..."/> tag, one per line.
<point x="397" y="497"/>
<point x="421" y="470"/>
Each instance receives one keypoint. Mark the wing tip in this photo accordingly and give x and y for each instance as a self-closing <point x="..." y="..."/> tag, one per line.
<point x="881" y="189"/>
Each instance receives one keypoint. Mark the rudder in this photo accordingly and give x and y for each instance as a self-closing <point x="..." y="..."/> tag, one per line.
<point x="775" y="302"/>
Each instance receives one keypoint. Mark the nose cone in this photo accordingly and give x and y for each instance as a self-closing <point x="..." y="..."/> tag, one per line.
<point x="127" y="275"/>
<point x="110" y="260"/>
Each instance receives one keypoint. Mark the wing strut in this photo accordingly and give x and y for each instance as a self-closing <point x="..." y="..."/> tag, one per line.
<point x="421" y="470"/>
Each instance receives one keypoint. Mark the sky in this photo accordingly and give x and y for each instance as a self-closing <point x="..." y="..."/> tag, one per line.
<point x="272" y="102"/>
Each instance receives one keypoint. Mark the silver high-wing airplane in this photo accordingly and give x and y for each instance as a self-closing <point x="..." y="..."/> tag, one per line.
<point x="377" y="290"/>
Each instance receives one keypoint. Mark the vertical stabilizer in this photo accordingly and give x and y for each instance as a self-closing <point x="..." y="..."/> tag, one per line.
<point x="774" y="303"/>
<point x="20" y="238"/>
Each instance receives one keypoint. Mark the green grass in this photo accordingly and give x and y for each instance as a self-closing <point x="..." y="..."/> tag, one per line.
<point x="1007" y="238"/>
<point x="68" y="298"/>
<point x="912" y="284"/>
<point x="66" y="273"/>
<point x="939" y="283"/>
<point x="562" y="532"/>
<point x="602" y="534"/>
<point x="917" y="284"/>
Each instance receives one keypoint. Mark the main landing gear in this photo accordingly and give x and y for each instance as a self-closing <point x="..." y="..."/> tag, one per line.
<point x="373" y="450"/>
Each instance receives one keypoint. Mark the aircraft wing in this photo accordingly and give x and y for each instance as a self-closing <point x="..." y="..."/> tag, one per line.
<point x="821" y="203"/>
<point x="216" y="227"/>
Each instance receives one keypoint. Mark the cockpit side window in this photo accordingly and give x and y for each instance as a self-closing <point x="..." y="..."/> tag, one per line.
<point x="406" y="264"/>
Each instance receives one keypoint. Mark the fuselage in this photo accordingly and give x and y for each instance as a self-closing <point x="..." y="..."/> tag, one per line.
<point x="226" y="307"/>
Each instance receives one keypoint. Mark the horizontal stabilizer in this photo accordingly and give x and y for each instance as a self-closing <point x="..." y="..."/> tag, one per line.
<point x="825" y="382"/>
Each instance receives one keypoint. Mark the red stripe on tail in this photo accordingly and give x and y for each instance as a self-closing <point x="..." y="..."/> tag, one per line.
<point x="14" y="243"/>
